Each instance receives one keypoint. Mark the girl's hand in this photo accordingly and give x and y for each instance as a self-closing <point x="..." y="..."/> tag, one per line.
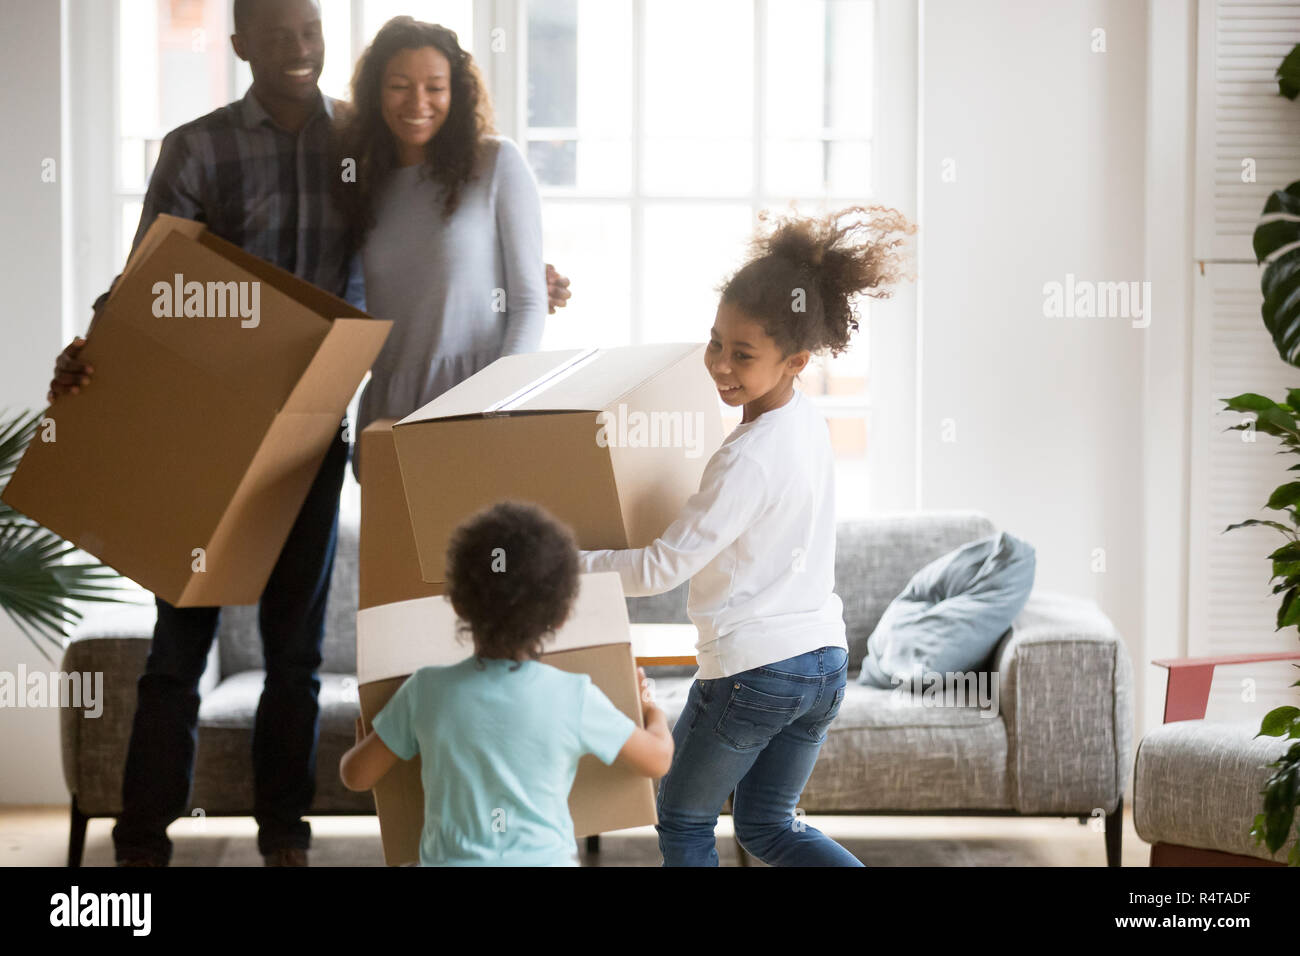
<point x="648" y="708"/>
<point x="360" y="731"/>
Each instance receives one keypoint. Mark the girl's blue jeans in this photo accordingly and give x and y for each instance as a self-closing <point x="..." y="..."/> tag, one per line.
<point x="756" y="735"/>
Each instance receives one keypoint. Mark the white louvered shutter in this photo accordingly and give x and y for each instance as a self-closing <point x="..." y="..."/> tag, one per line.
<point x="1239" y="116"/>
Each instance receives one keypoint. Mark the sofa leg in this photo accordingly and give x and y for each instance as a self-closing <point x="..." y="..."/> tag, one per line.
<point x="76" y="834"/>
<point x="1114" y="834"/>
<point x="593" y="844"/>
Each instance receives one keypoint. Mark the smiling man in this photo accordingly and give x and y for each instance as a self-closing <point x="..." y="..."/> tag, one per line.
<point x="259" y="172"/>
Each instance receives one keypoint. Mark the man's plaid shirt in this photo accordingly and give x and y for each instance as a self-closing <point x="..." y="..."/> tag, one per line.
<point x="266" y="190"/>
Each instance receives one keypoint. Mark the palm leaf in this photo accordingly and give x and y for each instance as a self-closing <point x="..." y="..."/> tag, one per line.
<point x="37" y="584"/>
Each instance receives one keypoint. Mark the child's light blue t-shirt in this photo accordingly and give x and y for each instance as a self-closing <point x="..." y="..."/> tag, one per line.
<point x="499" y="749"/>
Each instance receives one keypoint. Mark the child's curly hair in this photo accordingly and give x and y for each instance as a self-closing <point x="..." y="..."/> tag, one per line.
<point x="512" y="576"/>
<point x="830" y="260"/>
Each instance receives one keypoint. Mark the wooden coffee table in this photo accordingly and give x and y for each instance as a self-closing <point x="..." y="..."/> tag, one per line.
<point x="660" y="645"/>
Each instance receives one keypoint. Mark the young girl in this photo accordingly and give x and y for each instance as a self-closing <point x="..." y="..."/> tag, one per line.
<point x="499" y="734"/>
<point x="758" y="545"/>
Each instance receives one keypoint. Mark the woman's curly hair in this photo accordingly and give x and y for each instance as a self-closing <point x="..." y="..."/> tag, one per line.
<point x="454" y="155"/>
<point x="820" y="264"/>
<point x="512" y="576"/>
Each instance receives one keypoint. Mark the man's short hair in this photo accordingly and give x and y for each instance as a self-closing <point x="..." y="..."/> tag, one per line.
<point x="243" y="9"/>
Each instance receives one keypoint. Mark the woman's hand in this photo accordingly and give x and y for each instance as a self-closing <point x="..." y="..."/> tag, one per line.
<point x="557" y="290"/>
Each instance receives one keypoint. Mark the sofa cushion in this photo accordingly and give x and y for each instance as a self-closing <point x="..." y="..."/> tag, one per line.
<point x="952" y="613"/>
<point x="874" y="558"/>
<point x="885" y="751"/>
<point x="223" y="773"/>
<point x="1197" y="783"/>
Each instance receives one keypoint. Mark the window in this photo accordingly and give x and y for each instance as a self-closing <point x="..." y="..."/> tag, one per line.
<point x="175" y="63"/>
<point x="658" y="131"/>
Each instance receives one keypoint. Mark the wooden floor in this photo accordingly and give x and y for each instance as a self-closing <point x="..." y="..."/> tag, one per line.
<point x="38" y="836"/>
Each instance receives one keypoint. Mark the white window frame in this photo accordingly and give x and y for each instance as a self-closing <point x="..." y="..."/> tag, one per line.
<point x="894" y="328"/>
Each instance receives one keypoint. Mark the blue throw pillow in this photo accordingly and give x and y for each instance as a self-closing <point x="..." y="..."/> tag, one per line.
<point x="952" y="613"/>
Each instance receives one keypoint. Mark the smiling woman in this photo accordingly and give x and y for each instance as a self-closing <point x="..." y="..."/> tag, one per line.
<point x="447" y="218"/>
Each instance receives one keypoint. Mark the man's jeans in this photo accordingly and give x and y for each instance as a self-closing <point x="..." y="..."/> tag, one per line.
<point x="160" y="758"/>
<point x="756" y="733"/>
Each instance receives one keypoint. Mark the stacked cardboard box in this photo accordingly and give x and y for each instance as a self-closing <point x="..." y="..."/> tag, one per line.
<point x="405" y="623"/>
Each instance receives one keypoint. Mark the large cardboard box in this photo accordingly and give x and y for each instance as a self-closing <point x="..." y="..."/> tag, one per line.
<point x="186" y="460"/>
<point x="611" y="441"/>
<point x="404" y="623"/>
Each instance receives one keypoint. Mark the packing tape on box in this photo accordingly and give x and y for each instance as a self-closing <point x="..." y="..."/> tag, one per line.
<point x="398" y="638"/>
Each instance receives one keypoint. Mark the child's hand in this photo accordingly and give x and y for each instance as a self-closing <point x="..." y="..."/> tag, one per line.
<point x="360" y="731"/>
<point x="648" y="708"/>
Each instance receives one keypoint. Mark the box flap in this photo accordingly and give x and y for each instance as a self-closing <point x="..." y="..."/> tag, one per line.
<point x="246" y="545"/>
<point x="162" y="227"/>
<point x="499" y="383"/>
<point x="610" y="376"/>
<point x="390" y="565"/>
<point x="346" y="354"/>
<point x="396" y="639"/>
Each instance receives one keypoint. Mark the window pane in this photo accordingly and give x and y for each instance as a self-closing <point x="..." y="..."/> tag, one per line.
<point x="336" y="24"/>
<point x="819" y="117"/>
<point x="589" y="243"/>
<point x="819" y="167"/>
<point x="699" y="97"/>
<point x="688" y="251"/>
<point x="580" y="94"/>
<point x="172" y="68"/>
<point x="457" y="15"/>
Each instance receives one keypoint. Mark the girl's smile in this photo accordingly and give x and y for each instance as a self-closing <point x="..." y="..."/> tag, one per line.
<point x="746" y="363"/>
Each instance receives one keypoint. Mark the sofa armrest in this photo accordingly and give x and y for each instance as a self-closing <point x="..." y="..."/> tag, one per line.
<point x="1187" y="689"/>
<point x="1066" y="696"/>
<point x="113" y="642"/>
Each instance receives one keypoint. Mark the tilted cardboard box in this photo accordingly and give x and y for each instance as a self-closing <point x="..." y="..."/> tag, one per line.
<point x="611" y="441"/>
<point x="185" y="461"/>
<point x="404" y="623"/>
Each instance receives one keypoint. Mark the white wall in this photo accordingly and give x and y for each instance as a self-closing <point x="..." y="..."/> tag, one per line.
<point x="30" y="326"/>
<point x="1048" y="140"/>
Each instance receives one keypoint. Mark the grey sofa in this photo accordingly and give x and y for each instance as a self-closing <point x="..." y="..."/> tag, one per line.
<point x="1060" y="746"/>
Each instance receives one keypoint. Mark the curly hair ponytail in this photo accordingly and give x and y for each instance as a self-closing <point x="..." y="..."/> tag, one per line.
<point x="803" y="274"/>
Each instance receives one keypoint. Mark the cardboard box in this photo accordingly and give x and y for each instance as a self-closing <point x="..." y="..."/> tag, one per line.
<point x="186" y="460"/>
<point x="404" y="623"/>
<point x="611" y="441"/>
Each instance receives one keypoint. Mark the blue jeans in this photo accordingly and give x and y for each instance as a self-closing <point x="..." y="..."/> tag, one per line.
<point x="160" y="756"/>
<point x="755" y="735"/>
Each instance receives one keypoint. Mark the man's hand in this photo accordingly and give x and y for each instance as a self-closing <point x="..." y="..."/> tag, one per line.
<point x="69" y="372"/>
<point x="557" y="290"/>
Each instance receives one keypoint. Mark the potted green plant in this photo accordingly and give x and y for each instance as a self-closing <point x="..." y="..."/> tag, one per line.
<point x="1277" y="248"/>
<point x="37" y="585"/>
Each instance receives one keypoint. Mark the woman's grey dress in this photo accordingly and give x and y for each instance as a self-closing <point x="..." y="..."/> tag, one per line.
<point x="461" y="292"/>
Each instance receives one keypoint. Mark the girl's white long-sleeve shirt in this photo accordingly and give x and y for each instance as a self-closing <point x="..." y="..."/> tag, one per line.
<point x="757" y="543"/>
